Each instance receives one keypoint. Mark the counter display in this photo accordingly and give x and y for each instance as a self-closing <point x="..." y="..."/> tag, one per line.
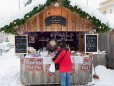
<point x="35" y="70"/>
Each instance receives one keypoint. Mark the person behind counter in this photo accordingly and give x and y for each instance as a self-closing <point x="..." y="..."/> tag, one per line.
<point x="65" y="64"/>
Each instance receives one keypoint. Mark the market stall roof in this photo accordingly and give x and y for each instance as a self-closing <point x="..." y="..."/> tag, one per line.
<point x="37" y="6"/>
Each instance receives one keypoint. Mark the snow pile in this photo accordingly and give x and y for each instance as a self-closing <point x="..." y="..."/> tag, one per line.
<point x="106" y="77"/>
<point x="9" y="69"/>
<point x="5" y="46"/>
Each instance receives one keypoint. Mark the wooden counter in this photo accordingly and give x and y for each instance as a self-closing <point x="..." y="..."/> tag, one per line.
<point x="35" y="71"/>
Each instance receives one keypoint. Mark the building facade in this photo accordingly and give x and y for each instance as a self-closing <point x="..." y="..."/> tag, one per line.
<point x="106" y="7"/>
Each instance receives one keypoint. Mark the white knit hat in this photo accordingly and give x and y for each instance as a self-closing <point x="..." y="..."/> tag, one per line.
<point x="31" y="50"/>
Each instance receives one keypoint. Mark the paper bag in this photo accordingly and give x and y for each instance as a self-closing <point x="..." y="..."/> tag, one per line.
<point x="52" y="67"/>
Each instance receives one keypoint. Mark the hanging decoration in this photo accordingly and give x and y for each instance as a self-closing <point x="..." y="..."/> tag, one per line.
<point x="65" y="3"/>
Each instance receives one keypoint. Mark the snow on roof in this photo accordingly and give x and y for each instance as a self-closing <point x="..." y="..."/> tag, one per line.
<point x="20" y="14"/>
<point x="28" y="8"/>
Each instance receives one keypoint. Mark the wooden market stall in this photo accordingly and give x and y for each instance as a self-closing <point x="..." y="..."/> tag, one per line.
<point x="56" y="18"/>
<point x="53" y="19"/>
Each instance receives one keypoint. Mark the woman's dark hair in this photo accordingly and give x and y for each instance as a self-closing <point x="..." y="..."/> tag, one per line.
<point x="62" y="44"/>
<point x="52" y="45"/>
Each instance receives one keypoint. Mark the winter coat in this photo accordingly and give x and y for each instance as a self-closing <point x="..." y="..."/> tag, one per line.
<point x="65" y="64"/>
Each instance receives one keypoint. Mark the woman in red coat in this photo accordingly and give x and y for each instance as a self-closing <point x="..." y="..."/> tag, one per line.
<point x="65" y="64"/>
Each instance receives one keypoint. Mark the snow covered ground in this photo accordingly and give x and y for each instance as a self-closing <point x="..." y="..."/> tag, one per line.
<point x="9" y="69"/>
<point x="10" y="72"/>
<point x="106" y="77"/>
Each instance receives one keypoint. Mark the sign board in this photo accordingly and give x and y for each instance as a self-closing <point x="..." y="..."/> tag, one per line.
<point x="21" y="44"/>
<point x="84" y="67"/>
<point x="33" y="64"/>
<point x="91" y="43"/>
<point x="55" y="20"/>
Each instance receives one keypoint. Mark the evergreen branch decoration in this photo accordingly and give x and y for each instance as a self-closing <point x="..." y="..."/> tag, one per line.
<point x="65" y="3"/>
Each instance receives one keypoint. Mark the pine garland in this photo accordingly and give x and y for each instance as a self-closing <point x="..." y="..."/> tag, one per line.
<point x="65" y="3"/>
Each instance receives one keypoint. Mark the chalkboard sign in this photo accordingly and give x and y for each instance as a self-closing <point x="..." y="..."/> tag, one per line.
<point x="55" y="20"/>
<point x="21" y="44"/>
<point x="91" y="43"/>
